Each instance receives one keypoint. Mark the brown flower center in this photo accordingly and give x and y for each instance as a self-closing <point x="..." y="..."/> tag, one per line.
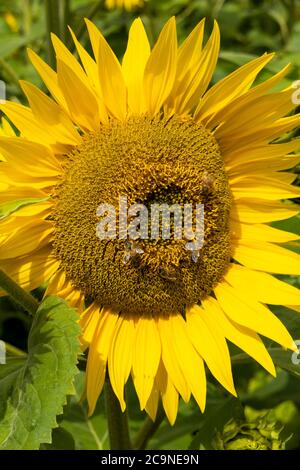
<point x="155" y="163"/>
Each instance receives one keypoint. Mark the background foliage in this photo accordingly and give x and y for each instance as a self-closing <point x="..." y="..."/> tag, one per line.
<point x="268" y="410"/>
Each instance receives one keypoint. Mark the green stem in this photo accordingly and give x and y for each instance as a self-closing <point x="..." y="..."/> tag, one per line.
<point x="14" y="351"/>
<point x="117" y="421"/>
<point x="148" y="430"/>
<point x="53" y="26"/>
<point x="65" y="19"/>
<point x="23" y="298"/>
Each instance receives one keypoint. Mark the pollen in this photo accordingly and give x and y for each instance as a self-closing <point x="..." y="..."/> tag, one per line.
<point x="148" y="161"/>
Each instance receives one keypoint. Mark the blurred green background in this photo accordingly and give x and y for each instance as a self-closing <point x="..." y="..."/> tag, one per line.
<point x="248" y="28"/>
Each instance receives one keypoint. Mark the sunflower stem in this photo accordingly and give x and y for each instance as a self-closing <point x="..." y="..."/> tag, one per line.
<point x="148" y="430"/>
<point x="23" y="298"/>
<point x="65" y="20"/>
<point x="14" y="351"/>
<point x="117" y="421"/>
<point x="52" y="11"/>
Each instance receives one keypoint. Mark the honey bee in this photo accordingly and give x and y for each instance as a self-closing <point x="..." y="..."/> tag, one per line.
<point x="207" y="182"/>
<point x="195" y="255"/>
<point x="168" y="275"/>
<point x="132" y="250"/>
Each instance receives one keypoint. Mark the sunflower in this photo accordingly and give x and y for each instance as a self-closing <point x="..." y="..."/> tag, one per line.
<point x="126" y="4"/>
<point x="150" y="129"/>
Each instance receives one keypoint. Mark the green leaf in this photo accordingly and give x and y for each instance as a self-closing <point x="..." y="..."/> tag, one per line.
<point x="290" y="225"/>
<point x="236" y="58"/>
<point x="188" y="423"/>
<point x="287" y="360"/>
<point x="178" y="436"/>
<point x="10" y="207"/>
<point x="88" y="433"/>
<point x="11" y="43"/>
<point x="33" y="393"/>
<point x="274" y="391"/>
<point x="214" y="420"/>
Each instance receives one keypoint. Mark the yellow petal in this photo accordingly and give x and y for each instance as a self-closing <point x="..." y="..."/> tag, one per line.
<point x="81" y="101"/>
<point x="111" y="80"/>
<point x="168" y="392"/>
<point x="95" y="37"/>
<point x="25" y="195"/>
<point x="11" y="226"/>
<point x="189" y="361"/>
<point x="56" y="283"/>
<point x="249" y="313"/>
<point x="33" y="270"/>
<point x="91" y="69"/>
<point x="208" y="339"/>
<point x="28" y="163"/>
<point x="27" y="239"/>
<point x="48" y="76"/>
<point x="60" y="286"/>
<point x="254" y="154"/>
<point x="64" y="55"/>
<point x="97" y="359"/>
<point x="51" y="115"/>
<point x="258" y="114"/>
<point x="264" y="287"/>
<point x="170" y="360"/>
<point x="262" y="134"/>
<point x="120" y="356"/>
<point x="21" y="214"/>
<point x="200" y="75"/>
<point x="263" y="188"/>
<point x="88" y="63"/>
<point x="260" y="211"/>
<point x="229" y="88"/>
<point x="274" y="177"/>
<point x="6" y="129"/>
<point x="30" y="127"/>
<point x="294" y="307"/>
<point x="73" y="297"/>
<point x="189" y="54"/>
<point x="160" y="69"/>
<point x="264" y="256"/>
<point x="35" y="159"/>
<point x="261" y="232"/>
<point x="264" y="165"/>
<point x="233" y="108"/>
<point x="133" y="66"/>
<point x="12" y="177"/>
<point x="88" y="321"/>
<point x="152" y="404"/>
<point x="146" y="357"/>
<point x="241" y="336"/>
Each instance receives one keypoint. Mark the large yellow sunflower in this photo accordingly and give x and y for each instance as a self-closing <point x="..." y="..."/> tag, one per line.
<point x="126" y="4"/>
<point x="149" y="128"/>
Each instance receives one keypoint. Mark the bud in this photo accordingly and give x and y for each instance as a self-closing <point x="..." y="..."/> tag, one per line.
<point x="255" y="435"/>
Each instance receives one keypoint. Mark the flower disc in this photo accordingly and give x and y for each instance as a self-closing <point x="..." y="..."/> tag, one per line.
<point x="148" y="161"/>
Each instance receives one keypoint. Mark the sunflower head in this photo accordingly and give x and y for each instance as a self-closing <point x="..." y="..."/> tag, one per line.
<point x="151" y="132"/>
